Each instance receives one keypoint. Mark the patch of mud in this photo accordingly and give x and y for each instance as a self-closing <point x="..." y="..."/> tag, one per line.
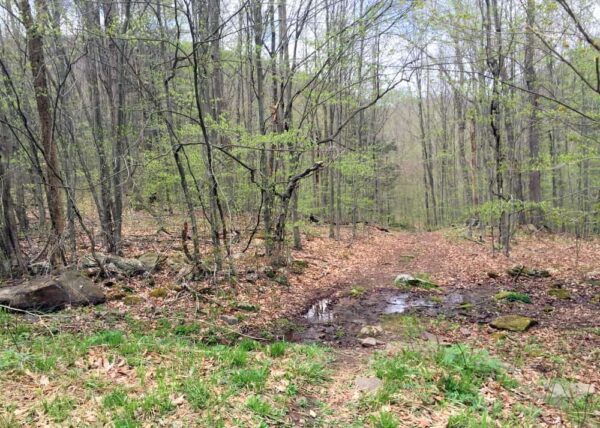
<point x="339" y="321"/>
<point x="320" y="312"/>
<point x="403" y="302"/>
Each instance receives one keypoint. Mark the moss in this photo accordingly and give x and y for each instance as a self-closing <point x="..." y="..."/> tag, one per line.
<point x="421" y="280"/>
<point x="132" y="300"/>
<point x="281" y="280"/>
<point x="560" y="293"/>
<point x="159" y="293"/>
<point x="466" y="306"/>
<point x="596" y="299"/>
<point x="512" y="323"/>
<point x="513" y="296"/>
<point x="357" y="291"/>
<point x="298" y="267"/>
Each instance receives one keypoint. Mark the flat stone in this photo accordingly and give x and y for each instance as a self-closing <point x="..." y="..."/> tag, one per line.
<point x="367" y="384"/>
<point x="369" y="342"/>
<point x="512" y="323"/>
<point x="230" y="319"/>
<point x="371" y="330"/>
<point x="571" y="390"/>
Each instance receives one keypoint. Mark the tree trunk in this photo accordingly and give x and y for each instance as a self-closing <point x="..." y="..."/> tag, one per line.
<point x="35" y="50"/>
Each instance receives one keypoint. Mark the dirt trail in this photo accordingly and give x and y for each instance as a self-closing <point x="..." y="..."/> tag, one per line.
<point x="465" y="300"/>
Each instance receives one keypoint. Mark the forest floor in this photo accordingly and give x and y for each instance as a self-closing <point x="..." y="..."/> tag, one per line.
<point x="329" y="341"/>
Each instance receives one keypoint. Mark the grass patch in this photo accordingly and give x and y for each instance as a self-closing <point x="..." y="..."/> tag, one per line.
<point x="435" y="377"/>
<point x="277" y="349"/>
<point x="59" y="408"/>
<point x="162" y="367"/>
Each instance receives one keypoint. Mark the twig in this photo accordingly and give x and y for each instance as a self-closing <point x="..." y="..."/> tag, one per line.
<point x="10" y="308"/>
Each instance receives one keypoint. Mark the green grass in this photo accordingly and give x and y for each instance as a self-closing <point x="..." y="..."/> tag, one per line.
<point x="384" y="420"/>
<point x="136" y="374"/>
<point x="436" y="377"/>
<point x="59" y="408"/>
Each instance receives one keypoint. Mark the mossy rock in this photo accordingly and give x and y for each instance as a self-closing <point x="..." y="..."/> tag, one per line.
<point x="152" y="261"/>
<point x="520" y="270"/>
<point x="159" y="293"/>
<point x="132" y="300"/>
<point x="513" y="296"/>
<point x="405" y="280"/>
<point x="512" y="323"/>
<point x="596" y="299"/>
<point x="298" y="267"/>
<point x="560" y="293"/>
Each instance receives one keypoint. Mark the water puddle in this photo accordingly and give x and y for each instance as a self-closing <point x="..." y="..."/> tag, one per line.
<point x="320" y="312"/>
<point x="400" y="303"/>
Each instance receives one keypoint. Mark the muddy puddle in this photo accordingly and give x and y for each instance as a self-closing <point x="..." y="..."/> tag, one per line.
<point x="339" y="320"/>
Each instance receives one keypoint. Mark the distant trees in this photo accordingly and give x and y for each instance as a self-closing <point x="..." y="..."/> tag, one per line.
<point x="250" y="100"/>
<point x="248" y="117"/>
<point x="525" y="119"/>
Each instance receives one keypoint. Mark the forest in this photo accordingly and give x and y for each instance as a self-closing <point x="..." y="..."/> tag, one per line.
<point x="379" y="213"/>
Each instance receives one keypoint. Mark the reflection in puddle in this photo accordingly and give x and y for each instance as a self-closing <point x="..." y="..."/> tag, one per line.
<point x="320" y="311"/>
<point x="400" y="303"/>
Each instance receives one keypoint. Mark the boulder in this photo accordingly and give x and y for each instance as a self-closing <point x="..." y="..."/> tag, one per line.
<point x="512" y="323"/>
<point x="53" y="292"/>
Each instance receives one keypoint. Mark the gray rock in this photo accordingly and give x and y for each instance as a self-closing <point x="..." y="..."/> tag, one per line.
<point x="49" y="293"/>
<point x="252" y="277"/>
<point x="369" y="342"/>
<point x="367" y="384"/>
<point x="230" y="319"/>
<point x="152" y="261"/>
<point x="571" y="390"/>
